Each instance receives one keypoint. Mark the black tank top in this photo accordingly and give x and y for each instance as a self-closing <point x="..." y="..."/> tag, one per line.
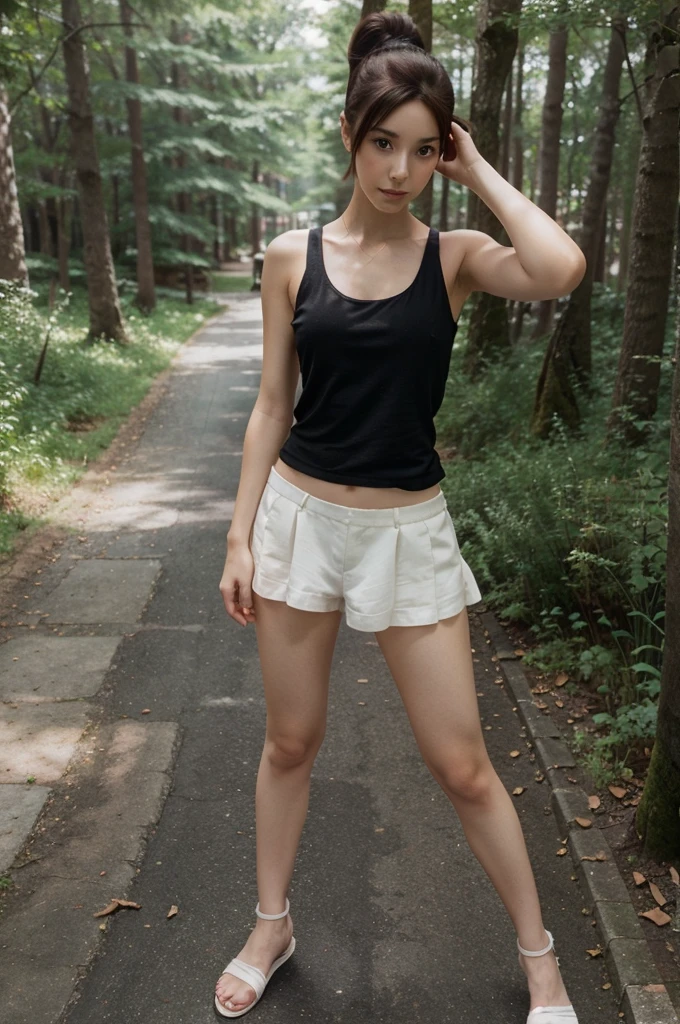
<point x="373" y="377"/>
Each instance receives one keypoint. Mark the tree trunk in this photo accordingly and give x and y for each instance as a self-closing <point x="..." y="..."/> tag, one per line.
<point x="569" y="349"/>
<point x="146" y="293"/>
<point x="658" y="814"/>
<point x="496" y="41"/>
<point x="549" y="158"/>
<point x="105" y="315"/>
<point x="651" y="254"/>
<point x="369" y="6"/>
<point x="64" y="206"/>
<point x="12" y="251"/>
<point x="179" y="81"/>
<point x="444" y="205"/>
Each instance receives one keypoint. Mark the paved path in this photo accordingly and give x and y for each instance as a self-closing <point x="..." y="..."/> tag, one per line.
<point x="395" y="919"/>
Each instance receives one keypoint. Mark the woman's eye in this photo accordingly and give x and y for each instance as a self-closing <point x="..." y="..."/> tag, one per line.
<point x="430" y="149"/>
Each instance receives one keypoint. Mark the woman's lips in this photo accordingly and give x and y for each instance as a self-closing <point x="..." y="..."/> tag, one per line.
<point x="392" y="192"/>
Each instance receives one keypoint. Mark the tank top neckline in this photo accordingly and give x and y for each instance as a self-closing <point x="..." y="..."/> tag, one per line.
<point x="387" y="298"/>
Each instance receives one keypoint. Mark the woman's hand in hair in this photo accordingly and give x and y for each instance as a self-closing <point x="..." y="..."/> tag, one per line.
<point x="460" y="153"/>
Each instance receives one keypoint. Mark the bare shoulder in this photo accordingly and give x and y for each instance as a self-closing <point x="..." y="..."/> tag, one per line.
<point x="286" y="256"/>
<point x="456" y="245"/>
<point x="288" y="243"/>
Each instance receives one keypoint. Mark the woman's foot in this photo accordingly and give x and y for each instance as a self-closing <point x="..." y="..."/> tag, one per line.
<point x="546" y="987"/>
<point x="266" y="942"/>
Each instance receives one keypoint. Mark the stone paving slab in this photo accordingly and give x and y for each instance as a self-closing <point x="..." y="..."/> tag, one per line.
<point x="103" y="590"/>
<point x="20" y="806"/>
<point x="39" y="739"/>
<point x="41" y="667"/>
<point x="117" y="796"/>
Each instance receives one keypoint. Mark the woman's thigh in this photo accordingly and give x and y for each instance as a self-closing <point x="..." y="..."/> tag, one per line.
<point x="432" y="668"/>
<point x="296" y="651"/>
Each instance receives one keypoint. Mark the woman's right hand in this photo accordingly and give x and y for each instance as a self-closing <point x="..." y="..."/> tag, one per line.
<point x="235" y="585"/>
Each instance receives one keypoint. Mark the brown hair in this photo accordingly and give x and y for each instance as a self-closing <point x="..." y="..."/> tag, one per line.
<point x="388" y="66"/>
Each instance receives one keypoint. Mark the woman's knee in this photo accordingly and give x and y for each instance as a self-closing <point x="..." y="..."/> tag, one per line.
<point x="286" y="750"/>
<point x="472" y="778"/>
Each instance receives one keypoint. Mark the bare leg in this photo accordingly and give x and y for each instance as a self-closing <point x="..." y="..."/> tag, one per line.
<point x="296" y="651"/>
<point x="432" y="668"/>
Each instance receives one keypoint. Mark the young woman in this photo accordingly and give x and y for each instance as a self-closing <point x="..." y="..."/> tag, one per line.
<point x="345" y="512"/>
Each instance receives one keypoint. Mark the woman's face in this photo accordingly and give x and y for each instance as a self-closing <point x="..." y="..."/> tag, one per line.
<point x="400" y="154"/>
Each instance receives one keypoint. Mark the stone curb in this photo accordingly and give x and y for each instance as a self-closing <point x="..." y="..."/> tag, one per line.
<point x="642" y="996"/>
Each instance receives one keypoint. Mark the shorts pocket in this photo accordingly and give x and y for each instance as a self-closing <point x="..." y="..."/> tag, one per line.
<point x="268" y="501"/>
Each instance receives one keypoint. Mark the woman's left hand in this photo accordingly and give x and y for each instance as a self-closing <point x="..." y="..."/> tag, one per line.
<point x="458" y="169"/>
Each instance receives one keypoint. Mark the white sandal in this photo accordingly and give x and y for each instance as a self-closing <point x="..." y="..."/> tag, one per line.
<point x="253" y="976"/>
<point x="548" y="1014"/>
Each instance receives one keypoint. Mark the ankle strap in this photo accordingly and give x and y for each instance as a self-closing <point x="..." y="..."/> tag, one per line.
<point x="537" y="952"/>
<point x="272" y="917"/>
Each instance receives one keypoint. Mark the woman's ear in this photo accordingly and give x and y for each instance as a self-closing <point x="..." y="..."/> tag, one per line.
<point x="344" y="131"/>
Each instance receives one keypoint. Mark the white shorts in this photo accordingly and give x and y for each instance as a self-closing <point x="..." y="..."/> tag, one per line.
<point x="383" y="566"/>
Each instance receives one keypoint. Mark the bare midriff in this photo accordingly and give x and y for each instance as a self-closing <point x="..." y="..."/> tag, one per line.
<point x="351" y="495"/>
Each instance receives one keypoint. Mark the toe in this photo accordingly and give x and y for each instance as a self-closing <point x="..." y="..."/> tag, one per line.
<point x="236" y="992"/>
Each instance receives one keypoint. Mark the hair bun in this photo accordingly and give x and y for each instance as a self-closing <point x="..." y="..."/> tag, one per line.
<point x="382" y="30"/>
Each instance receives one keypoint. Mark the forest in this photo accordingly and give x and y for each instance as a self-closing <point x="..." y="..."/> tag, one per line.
<point x="148" y="151"/>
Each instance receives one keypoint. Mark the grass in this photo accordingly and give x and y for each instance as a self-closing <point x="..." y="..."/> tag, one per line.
<point x="50" y="432"/>
<point x="230" y="282"/>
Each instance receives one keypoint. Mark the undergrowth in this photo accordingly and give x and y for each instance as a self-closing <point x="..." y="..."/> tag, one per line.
<point x="568" y="536"/>
<point x="50" y="431"/>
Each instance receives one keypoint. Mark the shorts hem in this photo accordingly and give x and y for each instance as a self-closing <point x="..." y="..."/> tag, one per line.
<point x="378" y="622"/>
<point x="277" y="591"/>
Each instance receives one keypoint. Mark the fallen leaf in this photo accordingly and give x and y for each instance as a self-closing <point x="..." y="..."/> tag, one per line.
<point x="561" y="679"/>
<point x="114" y="905"/>
<point x="518" y="790"/>
<point x="173" y="910"/>
<point x="657" y="894"/>
<point x="639" y="878"/>
<point x="594" y="952"/>
<point x="146" y="711"/>
<point x="617" y="791"/>
<point x="515" y="753"/>
<point x="594" y="802"/>
<point x="362" y="680"/>
<point x="656" y="915"/>
<point x="559" y="703"/>
<point x="674" y="875"/>
<point x="600" y="855"/>
<point x="519" y="652"/>
<point x="561" y="852"/>
<point x="541" y="705"/>
<point x="584" y="822"/>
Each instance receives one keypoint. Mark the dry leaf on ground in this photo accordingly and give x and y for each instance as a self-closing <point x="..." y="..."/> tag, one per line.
<point x="114" y="905"/>
<point x="656" y="915"/>
<point x="657" y="894"/>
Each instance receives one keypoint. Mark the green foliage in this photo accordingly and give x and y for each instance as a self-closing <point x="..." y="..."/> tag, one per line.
<point x="54" y="429"/>
<point x="568" y="536"/>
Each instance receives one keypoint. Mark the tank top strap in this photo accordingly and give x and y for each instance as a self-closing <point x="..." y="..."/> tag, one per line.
<point x="314" y="264"/>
